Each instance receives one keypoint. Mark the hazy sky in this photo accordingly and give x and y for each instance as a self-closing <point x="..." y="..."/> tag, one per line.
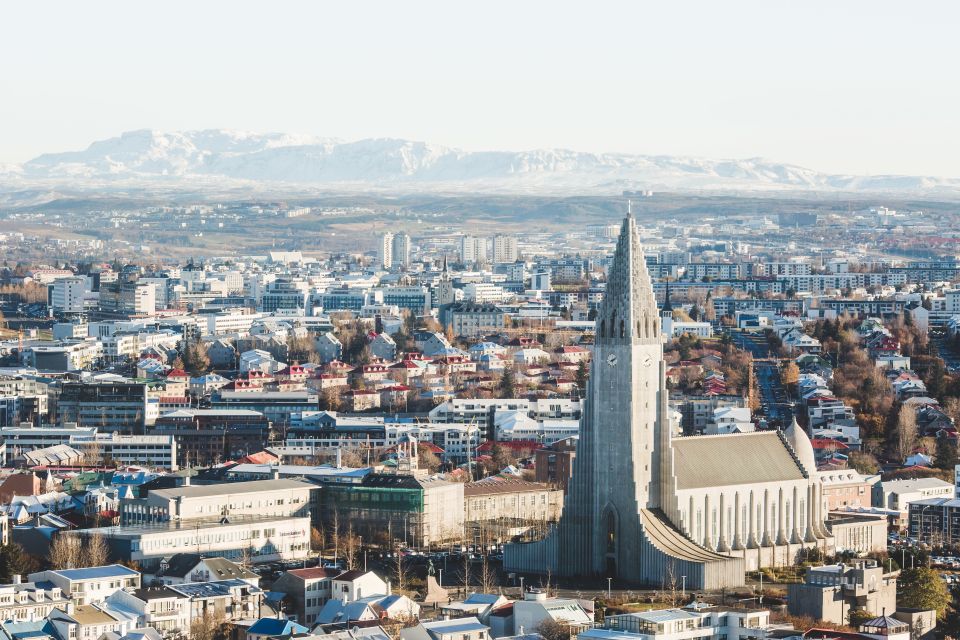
<point x="840" y="86"/>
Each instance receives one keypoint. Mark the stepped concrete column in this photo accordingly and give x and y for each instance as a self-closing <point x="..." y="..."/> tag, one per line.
<point x="810" y="535"/>
<point x="737" y="533"/>
<point x="766" y="541"/>
<point x="781" y="524"/>
<point x="722" y="545"/>
<point x="707" y="533"/>
<point x="751" y="520"/>
<point x="795" y="519"/>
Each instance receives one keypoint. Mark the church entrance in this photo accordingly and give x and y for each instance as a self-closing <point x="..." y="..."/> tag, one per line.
<point x="611" y="551"/>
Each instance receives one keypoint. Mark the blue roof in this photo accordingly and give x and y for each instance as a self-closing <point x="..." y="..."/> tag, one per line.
<point x="93" y="573"/>
<point x="275" y="627"/>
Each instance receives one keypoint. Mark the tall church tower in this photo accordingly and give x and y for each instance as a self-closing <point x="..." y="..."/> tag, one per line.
<point x="624" y="445"/>
<point x="445" y="293"/>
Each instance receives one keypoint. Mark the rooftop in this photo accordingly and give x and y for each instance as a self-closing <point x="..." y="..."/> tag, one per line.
<point x="232" y="488"/>
<point x="97" y="573"/>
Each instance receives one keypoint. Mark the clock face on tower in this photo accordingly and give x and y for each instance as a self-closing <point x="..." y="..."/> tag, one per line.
<point x="612" y="359"/>
<point x="647" y="360"/>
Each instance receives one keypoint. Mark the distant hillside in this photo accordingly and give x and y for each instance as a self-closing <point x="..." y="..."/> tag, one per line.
<point x="221" y="155"/>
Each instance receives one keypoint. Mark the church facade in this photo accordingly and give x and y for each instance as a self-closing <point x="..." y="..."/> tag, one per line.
<point x="646" y="506"/>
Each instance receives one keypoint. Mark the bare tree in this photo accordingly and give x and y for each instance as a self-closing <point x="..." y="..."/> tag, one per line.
<point x="96" y="553"/>
<point x="401" y="570"/>
<point x="317" y="539"/>
<point x="209" y="626"/>
<point x="65" y="552"/>
<point x="351" y="547"/>
<point x="488" y="577"/>
<point x="906" y="432"/>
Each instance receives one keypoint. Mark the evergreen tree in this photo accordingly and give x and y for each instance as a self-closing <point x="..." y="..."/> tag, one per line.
<point x="946" y="457"/>
<point x="508" y="386"/>
<point x="581" y="378"/>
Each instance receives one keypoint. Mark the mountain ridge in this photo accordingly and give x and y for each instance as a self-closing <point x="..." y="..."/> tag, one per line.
<point x="211" y="155"/>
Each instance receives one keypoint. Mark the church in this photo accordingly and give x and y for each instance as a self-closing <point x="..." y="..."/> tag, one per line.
<point x="646" y="506"/>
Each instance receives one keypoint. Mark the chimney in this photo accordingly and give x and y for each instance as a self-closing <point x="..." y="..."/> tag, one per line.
<point x="275" y="473"/>
<point x="186" y="481"/>
<point x="17" y="579"/>
<point x="389" y="589"/>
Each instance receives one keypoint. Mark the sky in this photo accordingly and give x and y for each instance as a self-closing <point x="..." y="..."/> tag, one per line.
<point x="842" y="87"/>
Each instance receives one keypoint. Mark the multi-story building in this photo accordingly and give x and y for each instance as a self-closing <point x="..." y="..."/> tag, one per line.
<point x="25" y="601"/>
<point x="385" y="508"/>
<point x="127" y="299"/>
<point x="107" y="406"/>
<point x="554" y="464"/>
<point x="385" y="250"/>
<point x="274" y="498"/>
<point x="400" y="250"/>
<point x="66" y="357"/>
<point x="481" y="292"/>
<point x="31" y="395"/>
<point x="285" y="293"/>
<point x="473" y="249"/>
<point x="829" y="592"/>
<point x="495" y="500"/>
<point x="898" y="495"/>
<point x="243" y="538"/>
<point x="846" y="489"/>
<point x="94" y="584"/>
<point x="935" y="521"/>
<point x="414" y="299"/>
<point x="206" y="436"/>
<point x="67" y="294"/>
<point x="473" y="318"/>
<point x="505" y="250"/>
<point x="689" y="623"/>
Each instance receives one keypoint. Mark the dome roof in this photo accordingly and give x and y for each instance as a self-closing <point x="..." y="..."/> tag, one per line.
<point x="800" y="441"/>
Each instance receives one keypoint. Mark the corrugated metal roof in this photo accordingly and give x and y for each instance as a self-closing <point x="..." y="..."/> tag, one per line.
<point x="716" y="461"/>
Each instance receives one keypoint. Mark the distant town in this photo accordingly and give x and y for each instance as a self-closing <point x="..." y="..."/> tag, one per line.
<point x="629" y="418"/>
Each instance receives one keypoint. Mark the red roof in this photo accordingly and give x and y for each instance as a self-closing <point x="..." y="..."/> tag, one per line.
<point x="515" y="445"/>
<point x="177" y="373"/>
<point x="260" y="457"/>
<point x="827" y="443"/>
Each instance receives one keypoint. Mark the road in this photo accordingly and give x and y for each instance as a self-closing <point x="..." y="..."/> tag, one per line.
<point x="774" y="398"/>
<point x="775" y="402"/>
<point x="756" y="344"/>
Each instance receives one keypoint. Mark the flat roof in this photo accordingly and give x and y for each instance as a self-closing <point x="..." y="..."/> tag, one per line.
<point x="232" y="488"/>
<point x="95" y="573"/>
<point x="136" y="530"/>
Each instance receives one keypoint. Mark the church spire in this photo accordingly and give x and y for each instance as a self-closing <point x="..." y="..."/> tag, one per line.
<point x="629" y="309"/>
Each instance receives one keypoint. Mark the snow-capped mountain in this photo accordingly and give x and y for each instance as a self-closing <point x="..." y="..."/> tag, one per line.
<point x="213" y="155"/>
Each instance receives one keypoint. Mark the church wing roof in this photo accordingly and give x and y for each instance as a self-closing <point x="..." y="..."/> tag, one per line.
<point x="712" y="461"/>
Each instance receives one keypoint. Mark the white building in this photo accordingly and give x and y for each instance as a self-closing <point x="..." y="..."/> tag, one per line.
<point x="400" y="250"/>
<point x="483" y="292"/>
<point x="93" y="584"/>
<point x="385" y="250"/>
<point x="67" y="294"/>
<point x="473" y="249"/>
<point x="505" y="249"/>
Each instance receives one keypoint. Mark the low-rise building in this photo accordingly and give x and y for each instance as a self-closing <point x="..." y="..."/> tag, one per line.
<point x="830" y="592"/>
<point x="91" y="585"/>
